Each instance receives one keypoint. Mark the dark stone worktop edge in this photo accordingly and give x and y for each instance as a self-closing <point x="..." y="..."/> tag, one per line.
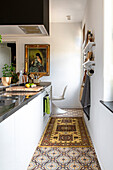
<point x="108" y="105"/>
<point x="13" y="110"/>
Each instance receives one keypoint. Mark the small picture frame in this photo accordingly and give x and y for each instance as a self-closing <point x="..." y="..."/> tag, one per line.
<point x="37" y="59"/>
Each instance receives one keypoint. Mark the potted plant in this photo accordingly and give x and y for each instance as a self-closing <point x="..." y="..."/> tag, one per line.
<point x="7" y="74"/>
<point x="15" y="78"/>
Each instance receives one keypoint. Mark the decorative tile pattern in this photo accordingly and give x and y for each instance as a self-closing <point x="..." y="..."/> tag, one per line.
<point x="64" y="159"/>
<point x="66" y="131"/>
<point x="70" y="113"/>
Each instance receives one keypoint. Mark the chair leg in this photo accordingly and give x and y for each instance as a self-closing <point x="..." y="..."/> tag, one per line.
<point x="57" y="110"/>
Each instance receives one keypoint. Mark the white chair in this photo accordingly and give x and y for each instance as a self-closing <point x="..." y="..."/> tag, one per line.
<point x="55" y="109"/>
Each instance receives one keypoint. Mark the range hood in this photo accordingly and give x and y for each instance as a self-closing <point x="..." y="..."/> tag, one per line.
<point x="24" y="18"/>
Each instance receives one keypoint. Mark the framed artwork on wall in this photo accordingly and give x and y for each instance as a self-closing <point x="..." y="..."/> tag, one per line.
<point x="37" y="59"/>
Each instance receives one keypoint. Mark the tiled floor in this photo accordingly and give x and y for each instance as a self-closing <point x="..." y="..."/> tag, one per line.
<point x="70" y="113"/>
<point x="64" y="158"/>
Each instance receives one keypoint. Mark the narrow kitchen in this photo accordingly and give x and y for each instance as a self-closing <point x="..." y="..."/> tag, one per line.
<point x="56" y="83"/>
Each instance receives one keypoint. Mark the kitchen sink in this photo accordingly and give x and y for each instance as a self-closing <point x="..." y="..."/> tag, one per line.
<point x="6" y="101"/>
<point x="6" y="97"/>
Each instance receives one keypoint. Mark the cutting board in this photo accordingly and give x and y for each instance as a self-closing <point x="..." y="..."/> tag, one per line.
<point x="22" y="88"/>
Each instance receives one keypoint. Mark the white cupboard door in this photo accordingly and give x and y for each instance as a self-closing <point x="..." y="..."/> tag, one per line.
<point x="7" y="152"/>
<point x="28" y="124"/>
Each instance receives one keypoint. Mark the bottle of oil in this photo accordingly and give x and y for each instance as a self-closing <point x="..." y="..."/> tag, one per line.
<point x="20" y="77"/>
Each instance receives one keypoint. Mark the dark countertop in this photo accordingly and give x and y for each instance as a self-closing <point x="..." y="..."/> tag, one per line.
<point x="108" y="105"/>
<point x="18" y="99"/>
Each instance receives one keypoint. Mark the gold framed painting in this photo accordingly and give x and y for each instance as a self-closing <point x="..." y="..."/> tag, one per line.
<point x="37" y="59"/>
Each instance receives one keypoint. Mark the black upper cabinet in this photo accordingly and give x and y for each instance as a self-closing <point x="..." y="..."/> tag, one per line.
<point x="25" y="12"/>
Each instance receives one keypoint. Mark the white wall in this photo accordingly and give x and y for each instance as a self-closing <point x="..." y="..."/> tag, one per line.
<point x="108" y="50"/>
<point x="5" y="56"/>
<point x="65" y="59"/>
<point x="101" y="123"/>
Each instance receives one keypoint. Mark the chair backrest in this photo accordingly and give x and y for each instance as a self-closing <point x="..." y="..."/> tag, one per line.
<point x="63" y="95"/>
<point x="60" y="97"/>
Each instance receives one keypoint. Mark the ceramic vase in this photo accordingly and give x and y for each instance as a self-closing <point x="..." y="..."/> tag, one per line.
<point x="6" y="81"/>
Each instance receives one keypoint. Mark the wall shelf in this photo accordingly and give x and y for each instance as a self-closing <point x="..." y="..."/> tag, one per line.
<point x="88" y="47"/>
<point x="88" y="63"/>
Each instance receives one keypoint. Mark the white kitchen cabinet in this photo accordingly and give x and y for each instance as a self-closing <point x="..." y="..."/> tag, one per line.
<point x="7" y="150"/>
<point x="28" y="127"/>
<point x="20" y="134"/>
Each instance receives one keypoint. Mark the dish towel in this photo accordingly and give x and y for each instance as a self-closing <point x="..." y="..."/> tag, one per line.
<point x="47" y="105"/>
<point x="85" y="101"/>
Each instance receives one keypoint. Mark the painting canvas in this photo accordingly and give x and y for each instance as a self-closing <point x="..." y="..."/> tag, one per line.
<point x="37" y="58"/>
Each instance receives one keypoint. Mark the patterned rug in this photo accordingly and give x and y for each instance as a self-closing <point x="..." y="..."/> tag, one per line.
<point x="65" y="132"/>
<point x="50" y="158"/>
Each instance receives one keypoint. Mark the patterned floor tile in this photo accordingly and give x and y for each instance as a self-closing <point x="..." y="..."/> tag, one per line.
<point x="53" y="153"/>
<point x="73" y="153"/>
<point x="70" y="113"/>
<point x="32" y="165"/>
<point x="51" y="166"/>
<point x="64" y="158"/>
<point x="41" y="159"/>
<point x="74" y="165"/>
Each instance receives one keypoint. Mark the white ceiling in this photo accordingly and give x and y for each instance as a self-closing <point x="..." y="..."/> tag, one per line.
<point x="61" y="8"/>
